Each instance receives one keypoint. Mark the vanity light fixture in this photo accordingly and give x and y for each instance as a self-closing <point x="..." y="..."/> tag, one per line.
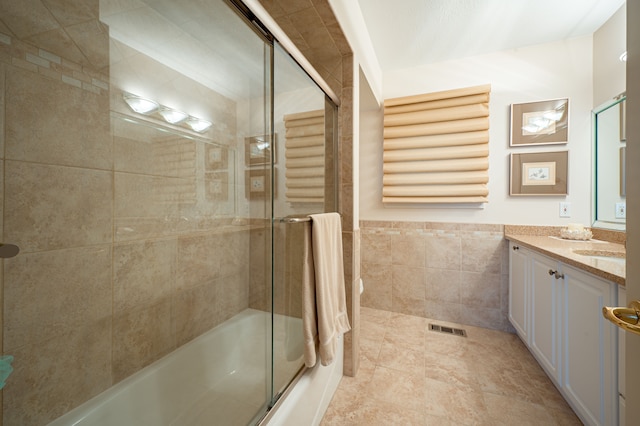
<point x="198" y="125"/>
<point x="172" y="116"/>
<point x="139" y="104"/>
<point x="623" y="56"/>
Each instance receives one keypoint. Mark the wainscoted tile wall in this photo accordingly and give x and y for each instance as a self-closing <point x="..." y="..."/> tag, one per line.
<point x="448" y="271"/>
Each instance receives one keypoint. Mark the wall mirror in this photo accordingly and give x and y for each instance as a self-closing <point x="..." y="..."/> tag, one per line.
<point x="609" y="196"/>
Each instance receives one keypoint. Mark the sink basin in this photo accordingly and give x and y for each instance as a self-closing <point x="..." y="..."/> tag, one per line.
<point x="609" y="255"/>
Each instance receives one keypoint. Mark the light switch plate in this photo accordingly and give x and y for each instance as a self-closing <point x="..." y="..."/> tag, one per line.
<point x="565" y="209"/>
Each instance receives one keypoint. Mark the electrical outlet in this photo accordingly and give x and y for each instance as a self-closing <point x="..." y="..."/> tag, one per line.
<point x="565" y="209"/>
<point x="621" y="210"/>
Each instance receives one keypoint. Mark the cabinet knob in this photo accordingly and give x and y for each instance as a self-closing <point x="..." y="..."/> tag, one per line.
<point x="516" y="248"/>
<point x="557" y="275"/>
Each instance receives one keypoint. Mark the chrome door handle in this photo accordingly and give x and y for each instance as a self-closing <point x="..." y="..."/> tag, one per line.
<point x="8" y="250"/>
<point x="625" y="318"/>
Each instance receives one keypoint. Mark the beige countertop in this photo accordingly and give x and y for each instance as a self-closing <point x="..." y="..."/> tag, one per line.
<point x="565" y="251"/>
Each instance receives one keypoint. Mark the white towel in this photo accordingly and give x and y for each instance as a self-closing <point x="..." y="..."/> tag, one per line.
<point x="330" y="301"/>
<point x="309" y="322"/>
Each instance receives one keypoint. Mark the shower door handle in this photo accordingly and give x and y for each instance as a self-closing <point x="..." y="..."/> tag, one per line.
<point x="8" y="250"/>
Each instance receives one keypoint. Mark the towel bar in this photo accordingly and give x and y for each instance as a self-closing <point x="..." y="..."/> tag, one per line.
<point x="296" y="219"/>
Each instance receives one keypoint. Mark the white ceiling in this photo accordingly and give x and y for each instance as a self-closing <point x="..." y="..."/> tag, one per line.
<point x="408" y="33"/>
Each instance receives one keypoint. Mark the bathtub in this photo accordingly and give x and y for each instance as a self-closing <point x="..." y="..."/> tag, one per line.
<point x="219" y="378"/>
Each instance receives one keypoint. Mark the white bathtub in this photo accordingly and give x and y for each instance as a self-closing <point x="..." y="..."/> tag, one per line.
<point x="220" y="378"/>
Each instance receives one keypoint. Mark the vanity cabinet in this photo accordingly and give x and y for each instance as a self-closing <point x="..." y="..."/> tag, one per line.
<point x="590" y="347"/>
<point x="556" y="310"/>
<point x="518" y="285"/>
<point x="546" y="291"/>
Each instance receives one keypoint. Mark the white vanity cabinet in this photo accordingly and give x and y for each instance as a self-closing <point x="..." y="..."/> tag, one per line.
<point x="557" y="311"/>
<point x="589" y="378"/>
<point x="545" y="298"/>
<point x="518" y="289"/>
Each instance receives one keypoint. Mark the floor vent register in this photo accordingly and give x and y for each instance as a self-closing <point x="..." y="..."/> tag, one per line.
<point x="447" y="330"/>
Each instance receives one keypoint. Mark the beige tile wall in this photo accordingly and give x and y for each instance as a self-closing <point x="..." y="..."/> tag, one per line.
<point x="446" y="271"/>
<point x="124" y="255"/>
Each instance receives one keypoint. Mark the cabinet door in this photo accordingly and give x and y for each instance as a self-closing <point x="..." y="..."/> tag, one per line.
<point x="590" y="348"/>
<point x="518" y="288"/>
<point x="545" y="326"/>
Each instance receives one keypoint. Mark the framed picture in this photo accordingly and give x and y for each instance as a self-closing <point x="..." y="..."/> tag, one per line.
<point x="259" y="149"/>
<point x="217" y="186"/>
<point x="257" y="183"/>
<point x="540" y="123"/>
<point x="539" y="173"/>
<point x="216" y="157"/>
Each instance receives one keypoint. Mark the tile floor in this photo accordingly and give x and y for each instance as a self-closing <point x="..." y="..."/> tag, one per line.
<point x="412" y="376"/>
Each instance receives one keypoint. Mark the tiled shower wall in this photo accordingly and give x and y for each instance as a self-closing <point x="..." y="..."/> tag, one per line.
<point x="444" y="271"/>
<point x="123" y="250"/>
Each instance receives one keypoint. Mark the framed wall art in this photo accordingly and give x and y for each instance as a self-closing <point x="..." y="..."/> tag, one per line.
<point x="539" y="173"/>
<point x="216" y="157"/>
<point x="540" y="123"/>
<point x="217" y="186"/>
<point x="258" y="150"/>
<point x="258" y="183"/>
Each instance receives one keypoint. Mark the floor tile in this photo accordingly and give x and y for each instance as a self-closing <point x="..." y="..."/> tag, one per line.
<point x="412" y="376"/>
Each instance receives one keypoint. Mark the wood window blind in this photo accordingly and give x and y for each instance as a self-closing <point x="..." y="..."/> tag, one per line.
<point x="304" y="156"/>
<point x="436" y="147"/>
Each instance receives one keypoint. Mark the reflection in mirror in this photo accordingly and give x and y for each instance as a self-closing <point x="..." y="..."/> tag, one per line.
<point x="609" y="165"/>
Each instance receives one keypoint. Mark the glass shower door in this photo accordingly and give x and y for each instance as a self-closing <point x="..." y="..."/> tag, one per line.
<point x="140" y="206"/>
<point x="304" y="182"/>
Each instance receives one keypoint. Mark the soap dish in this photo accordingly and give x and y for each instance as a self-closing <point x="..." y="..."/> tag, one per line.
<point x="571" y="234"/>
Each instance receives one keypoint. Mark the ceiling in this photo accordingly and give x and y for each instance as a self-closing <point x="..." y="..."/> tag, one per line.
<point x="409" y="33"/>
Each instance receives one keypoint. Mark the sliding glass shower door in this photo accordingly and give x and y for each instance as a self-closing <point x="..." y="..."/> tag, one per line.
<point x="136" y="181"/>
<point x="304" y="183"/>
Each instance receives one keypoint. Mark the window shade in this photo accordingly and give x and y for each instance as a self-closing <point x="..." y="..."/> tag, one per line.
<point x="304" y="153"/>
<point x="436" y="147"/>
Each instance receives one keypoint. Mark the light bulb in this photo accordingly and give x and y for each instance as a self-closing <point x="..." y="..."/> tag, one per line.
<point x="199" y="125"/>
<point x="172" y="116"/>
<point x="139" y="104"/>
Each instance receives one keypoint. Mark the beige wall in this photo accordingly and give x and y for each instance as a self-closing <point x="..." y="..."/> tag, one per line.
<point x="522" y="75"/>
<point x="609" y="73"/>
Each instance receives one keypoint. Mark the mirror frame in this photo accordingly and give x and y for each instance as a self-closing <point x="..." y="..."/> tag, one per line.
<point x="601" y="224"/>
